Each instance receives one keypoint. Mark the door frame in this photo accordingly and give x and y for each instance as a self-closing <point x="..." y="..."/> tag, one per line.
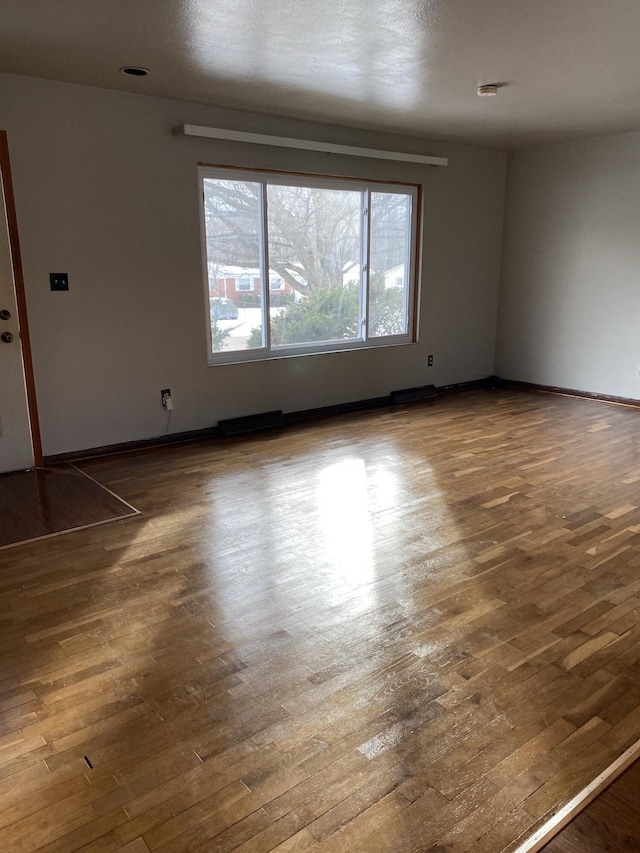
<point x="21" y="300"/>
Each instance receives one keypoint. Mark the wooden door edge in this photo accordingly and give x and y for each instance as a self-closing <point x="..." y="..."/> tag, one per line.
<point x="21" y="300"/>
<point x="566" y="814"/>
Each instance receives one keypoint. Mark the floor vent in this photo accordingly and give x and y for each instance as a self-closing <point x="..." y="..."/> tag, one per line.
<point x="251" y="423"/>
<point x="411" y="395"/>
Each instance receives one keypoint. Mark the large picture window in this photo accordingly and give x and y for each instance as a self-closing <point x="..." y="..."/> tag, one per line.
<point x="303" y="265"/>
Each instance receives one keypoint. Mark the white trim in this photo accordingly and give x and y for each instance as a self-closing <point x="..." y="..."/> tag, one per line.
<point x="105" y="489"/>
<point x="265" y="290"/>
<point x="205" y="263"/>
<point x="130" y="517"/>
<point x="365" y="261"/>
<point x="293" y="179"/>
<point x="297" y="350"/>
<point x="566" y="814"/>
<point x="305" y="144"/>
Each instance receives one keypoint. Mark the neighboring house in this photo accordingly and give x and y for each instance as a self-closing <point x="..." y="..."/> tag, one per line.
<point x="236" y="283"/>
<point x="394" y="277"/>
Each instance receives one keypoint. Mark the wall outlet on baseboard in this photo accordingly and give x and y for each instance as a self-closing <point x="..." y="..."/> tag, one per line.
<point x="165" y="395"/>
<point x="430" y="361"/>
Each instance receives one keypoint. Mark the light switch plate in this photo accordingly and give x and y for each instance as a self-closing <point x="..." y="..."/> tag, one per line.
<point x="59" y="280"/>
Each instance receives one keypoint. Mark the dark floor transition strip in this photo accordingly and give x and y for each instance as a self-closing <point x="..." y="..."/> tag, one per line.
<point x="610" y="824"/>
<point x="46" y="501"/>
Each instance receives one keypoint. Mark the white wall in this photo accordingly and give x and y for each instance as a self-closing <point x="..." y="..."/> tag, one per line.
<point x="570" y="296"/>
<point x="105" y="193"/>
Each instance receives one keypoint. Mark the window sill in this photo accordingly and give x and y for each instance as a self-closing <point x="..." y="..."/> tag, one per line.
<point x="254" y="356"/>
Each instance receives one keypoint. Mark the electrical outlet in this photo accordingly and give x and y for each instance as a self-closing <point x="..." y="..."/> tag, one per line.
<point x="165" y="395"/>
<point x="430" y="361"/>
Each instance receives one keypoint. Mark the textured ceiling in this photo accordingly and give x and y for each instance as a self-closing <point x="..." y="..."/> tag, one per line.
<point x="571" y="68"/>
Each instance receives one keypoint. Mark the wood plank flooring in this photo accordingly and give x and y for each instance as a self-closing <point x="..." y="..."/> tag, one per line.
<point x="411" y="630"/>
<point x="610" y="824"/>
<point x="47" y="501"/>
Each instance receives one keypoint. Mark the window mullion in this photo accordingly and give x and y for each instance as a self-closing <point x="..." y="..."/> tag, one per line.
<point x="366" y="256"/>
<point x="409" y="271"/>
<point x="264" y="262"/>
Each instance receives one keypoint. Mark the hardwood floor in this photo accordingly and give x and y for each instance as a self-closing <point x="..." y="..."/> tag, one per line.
<point x="46" y="501"/>
<point x="610" y="824"/>
<point x="412" y="630"/>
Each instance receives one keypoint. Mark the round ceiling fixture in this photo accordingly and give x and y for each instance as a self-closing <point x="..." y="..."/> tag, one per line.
<point x="135" y="71"/>
<point x="487" y="91"/>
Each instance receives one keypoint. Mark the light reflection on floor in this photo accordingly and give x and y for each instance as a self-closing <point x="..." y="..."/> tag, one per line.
<point x="345" y="523"/>
<point x="272" y="528"/>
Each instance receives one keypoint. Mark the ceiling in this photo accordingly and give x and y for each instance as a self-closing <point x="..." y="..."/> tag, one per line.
<point x="570" y="68"/>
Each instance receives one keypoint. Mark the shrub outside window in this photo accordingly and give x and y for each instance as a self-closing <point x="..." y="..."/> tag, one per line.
<point x="339" y="256"/>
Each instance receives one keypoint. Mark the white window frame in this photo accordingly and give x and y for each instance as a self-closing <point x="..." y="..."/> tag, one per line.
<point x="319" y="182"/>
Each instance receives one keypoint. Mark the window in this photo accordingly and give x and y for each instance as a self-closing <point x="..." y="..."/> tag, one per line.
<point x="245" y="282"/>
<point x="338" y="256"/>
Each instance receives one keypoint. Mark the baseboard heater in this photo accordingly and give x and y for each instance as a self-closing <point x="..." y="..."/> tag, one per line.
<point x="251" y="423"/>
<point x="414" y="395"/>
